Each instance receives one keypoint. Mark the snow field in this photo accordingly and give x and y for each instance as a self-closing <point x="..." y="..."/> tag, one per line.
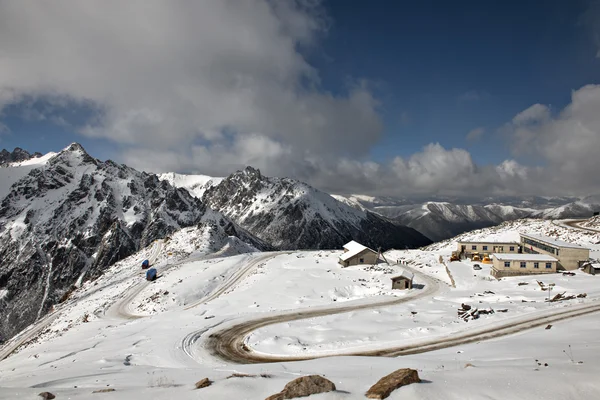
<point x="146" y="358"/>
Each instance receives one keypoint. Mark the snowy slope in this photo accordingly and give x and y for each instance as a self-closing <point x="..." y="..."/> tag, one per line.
<point x="195" y="184"/>
<point x="290" y="214"/>
<point x="88" y="347"/>
<point x="72" y="216"/>
<point x="14" y="171"/>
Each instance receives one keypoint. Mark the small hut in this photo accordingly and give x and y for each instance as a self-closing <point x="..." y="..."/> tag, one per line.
<point x="403" y="281"/>
<point x="592" y="269"/>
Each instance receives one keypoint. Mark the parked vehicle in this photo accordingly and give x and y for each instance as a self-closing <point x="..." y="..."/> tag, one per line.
<point x="476" y="267"/>
<point x="145" y="264"/>
<point x="151" y="274"/>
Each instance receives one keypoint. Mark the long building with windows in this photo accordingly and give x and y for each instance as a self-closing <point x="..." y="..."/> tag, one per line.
<point x="467" y="248"/>
<point x="569" y="256"/>
<point x="522" y="264"/>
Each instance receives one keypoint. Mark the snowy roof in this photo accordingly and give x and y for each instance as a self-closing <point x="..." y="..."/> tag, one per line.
<point x="488" y="241"/>
<point x="552" y="241"/>
<point x="353" y="246"/>
<point x="523" y="257"/>
<point x="404" y="274"/>
<point x="352" y="249"/>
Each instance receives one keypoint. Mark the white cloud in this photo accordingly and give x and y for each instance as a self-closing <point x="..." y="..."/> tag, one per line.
<point x="534" y="114"/>
<point x="166" y="74"/>
<point x="567" y="144"/>
<point x="475" y="134"/>
<point x="212" y="86"/>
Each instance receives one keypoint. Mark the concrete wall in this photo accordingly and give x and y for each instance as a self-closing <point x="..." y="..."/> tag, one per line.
<point x="402" y="284"/>
<point x="499" y="270"/>
<point x="368" y="257"/>
<point x="568" y="258"/>
<point x="491" y="247"/>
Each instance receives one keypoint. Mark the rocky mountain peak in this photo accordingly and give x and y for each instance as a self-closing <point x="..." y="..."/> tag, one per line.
<point x="17" y="155"/>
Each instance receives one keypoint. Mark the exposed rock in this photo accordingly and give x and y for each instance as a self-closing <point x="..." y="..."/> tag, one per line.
<point x="203" y="383"/>
<point x="107" y="390"/>
<point x="391" y="382"/>
<point x="289" y="214"/>
<point x="304" y="386"/>
<point x="74" y="215"/>
<point x="17" y="155"/>
<point x="47" y="396"/>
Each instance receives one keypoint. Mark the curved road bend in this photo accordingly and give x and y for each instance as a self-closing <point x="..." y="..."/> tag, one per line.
<point x="41" y="324"/>
<point x="575" y="224"/>
<point x="228" y="344"/>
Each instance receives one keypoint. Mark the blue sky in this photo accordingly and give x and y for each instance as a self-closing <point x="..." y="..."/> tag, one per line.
<point x="450" y="67"/>
<point x="347" y="95"/>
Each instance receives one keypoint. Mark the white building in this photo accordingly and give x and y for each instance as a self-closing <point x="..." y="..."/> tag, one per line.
<point x="356" y="254"/>
<point x="505" y="264"/>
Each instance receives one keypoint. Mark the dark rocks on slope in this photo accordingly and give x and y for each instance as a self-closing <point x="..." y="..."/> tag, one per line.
<point x="67" y="217"/>
<point x="289" y="214"/>
<point x="17" y="155"/>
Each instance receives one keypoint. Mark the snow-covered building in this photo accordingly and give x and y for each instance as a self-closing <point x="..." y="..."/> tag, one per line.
<point x="505" y="264"/>
<point x="570" y="256"/>
<point x="467" y="248"/>
<point x="590" y="268"/>
<point x="403" y="281"/>
<point x="356" y="254"/>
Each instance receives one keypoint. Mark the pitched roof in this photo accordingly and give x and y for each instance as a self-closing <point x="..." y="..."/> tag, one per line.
<point x="523" y="257"/>
<point x="551" y="241"/>
<point x="404" y="274"/>
<point x="352" y="249"/>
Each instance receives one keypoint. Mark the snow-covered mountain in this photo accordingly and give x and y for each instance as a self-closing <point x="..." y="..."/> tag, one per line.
<point x="195" y="184"/>
<point x="17" y="155"/>
<point x="67" y="216"/>
<point x="440" y="220"/>
<point x="290" y="214"/>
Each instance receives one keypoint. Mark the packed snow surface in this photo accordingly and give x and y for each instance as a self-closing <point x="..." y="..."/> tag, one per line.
<point x="130" y="335"/>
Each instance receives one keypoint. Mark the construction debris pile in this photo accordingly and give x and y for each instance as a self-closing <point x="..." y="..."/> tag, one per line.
<point x="466" y="312"/>
<point x="561" y="297"/>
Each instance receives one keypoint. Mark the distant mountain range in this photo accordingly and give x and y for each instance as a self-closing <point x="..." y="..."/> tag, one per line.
<point x="440" y="220"/>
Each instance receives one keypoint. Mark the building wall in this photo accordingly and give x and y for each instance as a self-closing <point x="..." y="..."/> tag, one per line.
<point x="369" y="258"/>
<point x="491" y="247"/>
<point x="402" y="284"/>
<point x="500" y="270"/>
<point x="568" y="258"/>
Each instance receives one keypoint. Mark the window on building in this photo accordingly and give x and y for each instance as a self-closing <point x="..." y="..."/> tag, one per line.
<point x="548" y="265"/>
<point x="473" y="247"/>
<point x="507" y="264"/>
<point x="361" y="260"/>
<point x="512" y="248"/>
<point x="523" y="264"/>
<point x="484" y="248"/>
<point x="536" y="265"/>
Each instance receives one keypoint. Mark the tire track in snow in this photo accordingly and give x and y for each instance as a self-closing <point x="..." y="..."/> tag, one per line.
<point x="236" y="278"/>
<point x="229" y="345"/>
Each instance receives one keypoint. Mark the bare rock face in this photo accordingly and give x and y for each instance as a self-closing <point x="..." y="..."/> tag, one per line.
<point x="73" y="216"/>
<point x="386" y="385"/>
<point x="304" y="386"/>
<point x="289" y="214"/>
<point x="17" y="155"/>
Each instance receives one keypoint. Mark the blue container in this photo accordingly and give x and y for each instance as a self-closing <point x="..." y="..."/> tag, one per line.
<point x="151" y="274"/>
<point x="145" y="264"/>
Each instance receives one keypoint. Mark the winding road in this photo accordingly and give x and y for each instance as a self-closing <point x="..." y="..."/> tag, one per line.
<point x="36" y="328"/>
